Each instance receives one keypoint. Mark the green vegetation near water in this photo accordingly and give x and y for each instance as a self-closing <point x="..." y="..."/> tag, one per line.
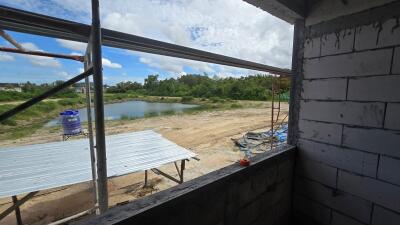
<point x="257" y="87"/>
<point x="209" y="93"/>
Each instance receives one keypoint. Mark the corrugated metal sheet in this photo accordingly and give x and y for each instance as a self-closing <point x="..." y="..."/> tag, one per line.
<point x="30" y="168"/>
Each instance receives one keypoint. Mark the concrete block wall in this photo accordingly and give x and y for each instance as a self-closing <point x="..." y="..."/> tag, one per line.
<point x="348" y="165"/>
<point x="256" y="195"/>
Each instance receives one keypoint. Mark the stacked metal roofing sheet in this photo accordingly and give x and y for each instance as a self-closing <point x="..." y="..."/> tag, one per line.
<point x="37" y="167"/>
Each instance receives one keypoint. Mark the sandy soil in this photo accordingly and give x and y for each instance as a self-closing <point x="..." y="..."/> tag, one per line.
<point x="207" y="133"/>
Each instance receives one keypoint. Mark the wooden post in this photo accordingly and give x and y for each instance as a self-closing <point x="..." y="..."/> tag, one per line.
<point x="145" y="178"/>
<point x="17" y="211"/>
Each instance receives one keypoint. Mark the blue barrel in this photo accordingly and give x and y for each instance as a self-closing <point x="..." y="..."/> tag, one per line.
<point x="71" y="122"/>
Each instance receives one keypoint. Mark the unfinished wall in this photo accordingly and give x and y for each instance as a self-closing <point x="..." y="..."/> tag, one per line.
<point x="258" y="194"/>
<point x="348" y="169"/>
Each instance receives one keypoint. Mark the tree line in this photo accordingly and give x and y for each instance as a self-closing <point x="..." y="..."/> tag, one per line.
<point x="256" y="87"/>
<point x="30" y="90"/>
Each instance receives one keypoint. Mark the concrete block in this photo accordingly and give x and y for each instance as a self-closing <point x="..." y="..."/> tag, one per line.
<point x="372" y="140"/>
<point x="392" y="118"/>
<point x="324" y="132"/>
<point x="318" y="212"/>
<point x="325" y="89"/>
<point x="377" y="35"/>
<point x="375" y="62"/>
<point x="312" y="47"/>
<point x="339" y="219"/>
<point x="396" y="61"/>
<point x="351" y="205"/>
<point x="251" y="187"/>
<point x="382" y="216"/>
<point x="339" y="42"/>
<point x="379" y="192"/>
<point x="379" y="88"/>
<point x="347" y="159"/>
<point x="352" y="113"/>
<point x="302" y="219"/>
<point x="389" y="170"/>
<point x="249" y="213"/>
<point x="317" y="171"/>
<point x="330" y="9"/>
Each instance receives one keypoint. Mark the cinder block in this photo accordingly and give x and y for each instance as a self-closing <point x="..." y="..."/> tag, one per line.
<point x="339" y="42"/>
<point x="347" y="159"/>
<point x="339" y="219"/>
<point x="252" y="187"/>
<point x="312" y="47"/>
<point x="389" y="170"/>
<point x="382" y="216"/>
<point x="379" y="192"/>
<point x="317" y="171"/>
<point x="377" y="35"/>
<point x="392" y="118"/>
<point x="352" y="113"/>
<point x="325" y="89"/>
<point x="324" y="132"/>
<point x="372" y="140"/>
<point x="375" y="62"/>
<point x="396" y="61"/>
<point x="379" y="88"/>
<point x="249" y="213"/>
<point x="353" y="206"/>
<point x="312" y="209"/>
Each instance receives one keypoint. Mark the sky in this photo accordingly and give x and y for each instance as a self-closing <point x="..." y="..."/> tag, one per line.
<point x="229" y="27"/>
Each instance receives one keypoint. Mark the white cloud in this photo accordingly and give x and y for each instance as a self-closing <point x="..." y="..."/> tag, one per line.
<point x="4" y="57"/>
<point x="108" y="63"/>
<point x="234" y="28"/>
<point x="64" y="75"/>
<point x="73" y="45"/>
<point x="81" y="70"/>
<point x="39" y="60"/>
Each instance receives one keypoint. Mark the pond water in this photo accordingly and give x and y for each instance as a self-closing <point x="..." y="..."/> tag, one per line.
<point x="131" y="109"/>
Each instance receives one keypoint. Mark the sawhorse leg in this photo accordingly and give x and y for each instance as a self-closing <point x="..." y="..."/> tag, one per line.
<point x="17" y="211"/>
<point x="15" y="207"/>
<point x="145" y="178"/>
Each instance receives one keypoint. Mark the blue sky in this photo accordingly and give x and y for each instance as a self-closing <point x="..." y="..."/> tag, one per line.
<point x="233" y="28"/>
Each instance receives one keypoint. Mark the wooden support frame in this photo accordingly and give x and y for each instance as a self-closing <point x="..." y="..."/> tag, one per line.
<point x="180" y="173"/>
<point x="15" y="207"/>
<point x="17" y="211"/>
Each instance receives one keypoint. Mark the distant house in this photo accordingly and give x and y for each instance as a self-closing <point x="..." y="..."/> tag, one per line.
<point x="10" y="87"/>
<point x="81" y="88"/>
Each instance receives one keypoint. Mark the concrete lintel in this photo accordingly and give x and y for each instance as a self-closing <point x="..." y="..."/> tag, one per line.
<point x="288" y="10"/>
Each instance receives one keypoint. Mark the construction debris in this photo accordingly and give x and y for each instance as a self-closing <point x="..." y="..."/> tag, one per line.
<point x="257" y="142"/>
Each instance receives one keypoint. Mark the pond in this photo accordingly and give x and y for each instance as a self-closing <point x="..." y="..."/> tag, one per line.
<point x="132" y="109"/>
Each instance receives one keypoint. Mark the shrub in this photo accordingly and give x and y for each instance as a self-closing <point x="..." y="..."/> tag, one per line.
<point x="186" y="99"/>
<point x="235" y="106"/>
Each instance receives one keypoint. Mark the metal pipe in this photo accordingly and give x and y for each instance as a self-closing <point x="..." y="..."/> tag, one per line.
<point x="90" y="130"/>
<point x="44" y="95"/>
<point x="99" y="109"/>
<point x="65" y="220"/>
<point x="39" y="53"/>
<point x="27" y="22"/>
<point x="272" y="112"/>
<point x="11" y="40"/>
<point x="17" y="211"/>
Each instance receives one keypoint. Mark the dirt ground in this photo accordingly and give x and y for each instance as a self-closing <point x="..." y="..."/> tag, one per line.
<point x="208" y="134"/>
